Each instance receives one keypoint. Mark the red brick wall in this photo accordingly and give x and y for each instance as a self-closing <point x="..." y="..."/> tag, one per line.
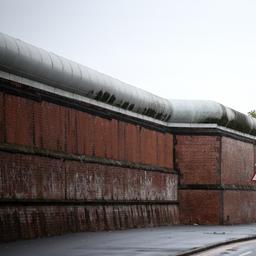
<point x="239" y="207"/>
<point x="53" y="127"/>
<point x="215" y="181"/>
<point x="30" y="222"/>
<point x="198" y="160"/>
<point x="237" y="165"/>
<point x="47" y="195"/>
<point x="237" y="168"/>
<point x="18" y="120"/>
<point x="200" y="206"/>
<point x="254" y="158"/>
<point x="2" y="116"/>
<point x="40" y="179"/>
<point x="34" y="177"/>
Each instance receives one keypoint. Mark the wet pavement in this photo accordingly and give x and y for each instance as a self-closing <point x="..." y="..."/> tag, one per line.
<point x="160" y="241"/>
<point x="234" y="249"/>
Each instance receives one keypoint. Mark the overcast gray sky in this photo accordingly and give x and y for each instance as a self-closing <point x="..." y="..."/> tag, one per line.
<point x="173" y="48"/>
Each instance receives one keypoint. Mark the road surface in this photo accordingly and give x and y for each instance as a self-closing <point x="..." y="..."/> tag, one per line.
<point x="159" y="241"/>
<point x="247" y="248"/>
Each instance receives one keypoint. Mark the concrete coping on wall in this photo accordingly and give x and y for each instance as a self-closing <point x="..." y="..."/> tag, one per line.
<point x="32" y="66"/>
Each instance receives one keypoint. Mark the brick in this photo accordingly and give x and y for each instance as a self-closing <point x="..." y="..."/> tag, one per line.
<point x="114" y="138"/>
<point x="90" y="135"/>
<point x="137" y="150"/>
<point x="153" y="136"/>
<point x="160" y="149"/>
<point x="144" y="146"/>
<point x="38" y="125"/>
<point x="31" y="222"/>
<point x="239" y="207"/>
<point x="168" y="150"/>
<point x="31" y="177"/>
<point x="254" y="158"/>
<point x="61" y="129"/>
<point x="99" y="142"/>
<point x="130" y="142"/>
<point x="121" y="141"/>
<point x="108" y="140"/>
<point x="52" y="126"/>
<point x="34" y="177"/>
<point x="198" y="159"/>
<point x="2" y="118"/>
<point x="18" y="120"/>
<point x="71" y="137"/>
<point x="82" y="133"/>
<point x="149" y="153"/>
<point x="85" y="134"/>
<point x="207" y="212"/>
<point x="237" y="164"/>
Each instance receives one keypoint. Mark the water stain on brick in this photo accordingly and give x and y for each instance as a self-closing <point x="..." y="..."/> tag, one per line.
<point x="57" y="156"/>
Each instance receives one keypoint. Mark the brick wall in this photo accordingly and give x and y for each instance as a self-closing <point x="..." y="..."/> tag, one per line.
<point x="30" y="177"/>
<point x="54" y="127"/>
<point x="37" y="221"/>
<point x="102" y="197"/>
<point x="200" y="206"/>
<point x="237" y="166"/>
<point x="239" y="207"/>
<point x="198" y="160"/>
<point x="215" y="179"/>
<point x="67" y="170"/>
<point x="237" y="163"/>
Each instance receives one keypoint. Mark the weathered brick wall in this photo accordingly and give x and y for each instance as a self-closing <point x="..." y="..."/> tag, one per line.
<point x="197" y="157"/>
<point x="239" y="207"/>
<point x="237" y="163"/>
<point x="215" y="185"/>
<point x="49" y="126"/>
<point x="198" y="160"/>
<point x="200" y="206"/>
<point x="101" y="197"/>
<point x="29" y="177"/>
<point x="66" y="170"/>
<point x="237" y="168"/>
<point x="37" y="221"/>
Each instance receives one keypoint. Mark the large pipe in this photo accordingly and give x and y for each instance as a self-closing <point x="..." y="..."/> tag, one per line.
<point x="31" y="62"/>
<point x="25" y="60"/>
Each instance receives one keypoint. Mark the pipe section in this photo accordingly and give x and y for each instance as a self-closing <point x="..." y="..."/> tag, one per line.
<point x="25" y="60"/>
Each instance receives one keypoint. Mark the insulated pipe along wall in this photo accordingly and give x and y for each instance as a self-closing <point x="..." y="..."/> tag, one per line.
<point x="37" y="64"/>
<point x="203" y="111"/>
<point x="23" y="59"/>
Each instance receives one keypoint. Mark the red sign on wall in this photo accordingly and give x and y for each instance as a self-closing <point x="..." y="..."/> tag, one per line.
<point x="254" y="177"/>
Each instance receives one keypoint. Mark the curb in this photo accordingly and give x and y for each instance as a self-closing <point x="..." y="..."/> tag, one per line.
<point x="212" y="246"/>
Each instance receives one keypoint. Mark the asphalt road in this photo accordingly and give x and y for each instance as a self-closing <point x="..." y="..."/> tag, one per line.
<point x="236" y="249"/>
<point x="160" y="241"/>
